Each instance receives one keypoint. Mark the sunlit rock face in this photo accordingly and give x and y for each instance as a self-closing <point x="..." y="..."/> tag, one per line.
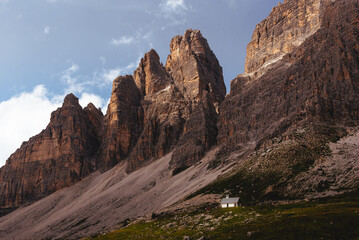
<point x="151" y="76"/>
<point x="316" y="81"/>
<point x="194" y="67"/>
<point x="123" y="122"/>
<point x="287" y="26"/>
<point x="58" y="157"/>
<point x="180" y="102"/>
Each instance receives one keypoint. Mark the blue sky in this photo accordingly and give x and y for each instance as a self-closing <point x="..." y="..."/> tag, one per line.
<point x="49" y="48"/>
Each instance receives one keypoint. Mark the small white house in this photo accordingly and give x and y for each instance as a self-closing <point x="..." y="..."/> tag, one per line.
<point x="229" y="202"/>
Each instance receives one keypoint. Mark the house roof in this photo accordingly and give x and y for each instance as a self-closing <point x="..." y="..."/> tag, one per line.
<point x="229" y="200"/>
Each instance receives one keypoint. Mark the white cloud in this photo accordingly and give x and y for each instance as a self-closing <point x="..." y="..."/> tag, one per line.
<point x="4" y="1"/>
<point x="25" y="115"/>
<point x="104" y="109"/>
<point x="47" y="30"/>
<point x="170" y="11"/>
<point x="110" y="74"/>
<point x="137" y="38"/>
<point x="76" y="83"/>
<point x="73" y="86"/>
<point x="123" y="41"/>
<point x="148" y="35"/>
<point x="173" y="5"/>
<point x="87" y="98"/>
<point x="73" y="68"/>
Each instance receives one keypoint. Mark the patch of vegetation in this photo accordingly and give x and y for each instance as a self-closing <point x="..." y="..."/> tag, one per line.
<point x="306" y="220"/>
<point x="262" y="176"/>
<point x="303" y="156"/>
<point x="248" y="187"/>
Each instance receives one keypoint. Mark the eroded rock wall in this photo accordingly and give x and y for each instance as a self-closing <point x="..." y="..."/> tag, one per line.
<point x="316" y="81"/>
<point x="123" y="122"/>
<point x="58" y="157"/>
<point x="287" y="26"/>
<point x="180" y="102"/>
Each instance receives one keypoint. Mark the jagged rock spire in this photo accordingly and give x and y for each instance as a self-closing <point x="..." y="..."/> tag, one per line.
<point x="194" y="67"/>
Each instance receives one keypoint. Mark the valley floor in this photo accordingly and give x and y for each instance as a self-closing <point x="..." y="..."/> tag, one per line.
<point x="332" y="219"/>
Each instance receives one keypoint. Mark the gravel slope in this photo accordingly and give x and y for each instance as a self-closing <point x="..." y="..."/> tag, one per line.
<point x="102" y="201"/>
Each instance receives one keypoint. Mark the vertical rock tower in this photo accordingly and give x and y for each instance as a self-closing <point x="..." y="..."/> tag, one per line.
<point x="194" y="67"/>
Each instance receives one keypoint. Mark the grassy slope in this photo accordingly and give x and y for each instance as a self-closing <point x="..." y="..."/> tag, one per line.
<point x="306" y="220"/>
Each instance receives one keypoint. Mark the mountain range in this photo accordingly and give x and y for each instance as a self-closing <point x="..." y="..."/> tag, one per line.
<point x="172" y="137"/>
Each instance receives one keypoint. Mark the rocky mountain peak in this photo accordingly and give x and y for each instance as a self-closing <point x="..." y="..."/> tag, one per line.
<point x="194" y="67"/>
<point x="151" y="76"/>
<point x="59" y="156"/>
<point x="91" y="107"/>
<point x="70" y="109"/>
<point x="71" y="99"/>
<point x="94" y="112"/>
<point x="287" y="26"/>
<point x="124" y="89"/>
<point x="192" y="40"/>
<point x="122" y="122"/>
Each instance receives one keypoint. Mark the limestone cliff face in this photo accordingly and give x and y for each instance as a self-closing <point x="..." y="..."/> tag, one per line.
<point x="199" y="133"/>
<point x="151" y="76"/>
<point x="163" y="108"/>
<point x="315" y="81"/>
<point x="194" y="67"/>
<point x="197" y="73"/>
<point x="162" y="126"/>
<point x="180" y="102"/>
<point x="123" y="122"/>
<point x="288" y="26"/>
<point x="59" y="156"/>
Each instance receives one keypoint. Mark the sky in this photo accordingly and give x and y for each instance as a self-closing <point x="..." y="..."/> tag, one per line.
<point x="49" y="48"/>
